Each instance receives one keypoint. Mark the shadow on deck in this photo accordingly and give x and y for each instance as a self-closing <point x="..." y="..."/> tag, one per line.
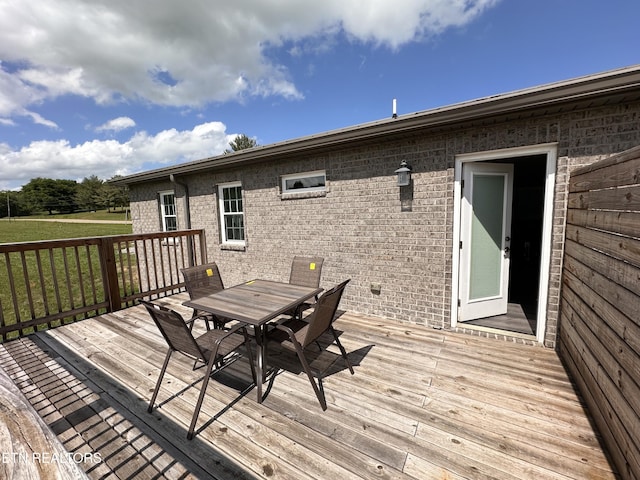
<point x="422" y="404"/>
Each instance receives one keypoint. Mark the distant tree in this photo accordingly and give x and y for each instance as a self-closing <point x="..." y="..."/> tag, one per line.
<point x="5" y="198"/>
<point x="241" y="142"/>
<point x="45" y="194"/>
<point x="65" y="200"/>
<point x="114" y="195"/>
<point x="12" y="203"/>
<point x="90" y="195"/>
<point x="39" y="193"/>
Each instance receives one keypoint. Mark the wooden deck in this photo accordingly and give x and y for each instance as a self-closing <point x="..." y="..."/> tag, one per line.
<point x="422" y="404"/>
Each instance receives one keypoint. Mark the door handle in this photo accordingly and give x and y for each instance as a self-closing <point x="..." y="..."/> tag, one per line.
<point x="506" y="249"/>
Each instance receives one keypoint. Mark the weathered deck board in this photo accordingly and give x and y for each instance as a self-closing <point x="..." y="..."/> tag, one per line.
<point x="422" y="404"/>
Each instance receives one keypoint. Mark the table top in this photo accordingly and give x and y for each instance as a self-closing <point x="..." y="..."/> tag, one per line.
<point x="254" y="302"/>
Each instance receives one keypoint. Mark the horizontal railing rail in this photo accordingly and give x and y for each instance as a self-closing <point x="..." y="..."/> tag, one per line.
<point x="49" y="283"/>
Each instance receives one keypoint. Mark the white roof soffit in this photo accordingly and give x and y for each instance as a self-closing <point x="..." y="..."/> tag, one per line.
<point x="582" y="88"/>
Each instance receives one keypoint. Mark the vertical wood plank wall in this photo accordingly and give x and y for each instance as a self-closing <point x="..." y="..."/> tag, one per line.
<point x="599" y="337"/>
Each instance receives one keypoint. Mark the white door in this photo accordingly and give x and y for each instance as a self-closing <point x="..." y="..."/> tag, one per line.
<point x="485" y="235"/>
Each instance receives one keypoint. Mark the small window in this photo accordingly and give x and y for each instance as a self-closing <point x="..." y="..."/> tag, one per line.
<point x="304" y="182"/>
<point x="168" y="215"/>
<point x="231" y="213"/>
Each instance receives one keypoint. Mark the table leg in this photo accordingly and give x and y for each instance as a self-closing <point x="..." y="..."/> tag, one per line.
<point x="258" y="332"/>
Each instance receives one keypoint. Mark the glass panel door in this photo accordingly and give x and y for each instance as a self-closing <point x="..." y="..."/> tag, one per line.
<point x="485" y="232"/>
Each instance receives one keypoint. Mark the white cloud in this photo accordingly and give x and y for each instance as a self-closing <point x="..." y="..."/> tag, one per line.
<point x="166" y="53"/>
<point x="106" y="158"/>
<point x="16" y="95"/>
<point x="117" y="124"/>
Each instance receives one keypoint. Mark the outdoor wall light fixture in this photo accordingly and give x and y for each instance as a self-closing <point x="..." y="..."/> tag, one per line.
<point x="404" y="174"/>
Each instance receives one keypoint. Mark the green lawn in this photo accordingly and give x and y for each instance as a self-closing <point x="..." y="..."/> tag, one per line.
<point x="79" y="262"/>
<point x="13" y="231"/>
<point x="96" y="215"/>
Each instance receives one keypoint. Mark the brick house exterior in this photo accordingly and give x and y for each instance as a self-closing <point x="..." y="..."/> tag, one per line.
<point x="400" y="245"/>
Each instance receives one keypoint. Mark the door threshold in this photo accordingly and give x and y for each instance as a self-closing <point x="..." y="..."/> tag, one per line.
<point x="497" y="334"/>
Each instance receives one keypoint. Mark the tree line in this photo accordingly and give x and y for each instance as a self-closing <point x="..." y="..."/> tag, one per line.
<point x="62" y="196"/>
<point x="68" y="196"/>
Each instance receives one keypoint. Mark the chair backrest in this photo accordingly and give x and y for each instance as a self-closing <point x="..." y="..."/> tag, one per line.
<point x="323" y="315"/>
<point x="306" y="271"/>
<point x="174" y="330"/>
<point x="202" y="280"/>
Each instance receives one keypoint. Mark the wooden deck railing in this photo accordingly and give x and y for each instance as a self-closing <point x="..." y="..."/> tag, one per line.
<point x="49" y="283"/>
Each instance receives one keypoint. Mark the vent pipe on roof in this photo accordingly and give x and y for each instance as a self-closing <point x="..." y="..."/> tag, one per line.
<point x="394" y="110"/>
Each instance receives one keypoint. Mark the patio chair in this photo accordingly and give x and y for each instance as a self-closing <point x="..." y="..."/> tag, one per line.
<point x="306" y="272"/>
<point x="300" y="333"/>
<point x="201" y="280"/>
<point x="211" y="348"/>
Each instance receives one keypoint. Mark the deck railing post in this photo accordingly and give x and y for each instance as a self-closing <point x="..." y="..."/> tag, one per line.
<point x="190" y="251"/>
<point x="203" y="247"/>
<point x="195" y="250"/>
<point x="110" y="274"/>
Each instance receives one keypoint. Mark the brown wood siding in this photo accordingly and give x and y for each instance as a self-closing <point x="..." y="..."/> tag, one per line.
<point x="600" y="313"/>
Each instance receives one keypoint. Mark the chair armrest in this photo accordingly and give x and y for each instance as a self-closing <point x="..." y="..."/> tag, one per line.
<point x="202" y="316"/>
<point x="284" y="328"/>
<point x="290" y="333"/>
<point x="239" y="326"/>
<point x="191" y="322"/>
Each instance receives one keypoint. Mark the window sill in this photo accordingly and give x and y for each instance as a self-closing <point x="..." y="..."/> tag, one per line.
<point x="299" y="195"/>
<point x="232" y="247"/>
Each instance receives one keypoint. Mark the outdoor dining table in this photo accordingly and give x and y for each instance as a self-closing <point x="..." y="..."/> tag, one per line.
<point x="255" y="302"/>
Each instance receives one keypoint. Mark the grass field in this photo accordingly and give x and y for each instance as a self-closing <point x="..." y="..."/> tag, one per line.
<point x="13" y="231"/>
<point x="96" y="215"/>
<point x="44" y="295"/>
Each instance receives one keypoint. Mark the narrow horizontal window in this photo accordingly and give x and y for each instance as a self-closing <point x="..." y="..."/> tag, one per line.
<point x="304" y="182"/>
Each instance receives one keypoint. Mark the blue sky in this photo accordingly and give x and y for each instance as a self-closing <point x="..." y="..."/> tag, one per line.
<point x="114" y="87"/>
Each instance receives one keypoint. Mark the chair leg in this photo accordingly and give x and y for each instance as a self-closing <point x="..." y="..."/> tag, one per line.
<point x="217" y="323"/>
<point x="342" y="350"/>
<point x="305" y="365"/>
<point x="159" y="382"/>
<point x="247" y="345"/>
<point x="203" y="390"/>
<point x="194" y="315"/>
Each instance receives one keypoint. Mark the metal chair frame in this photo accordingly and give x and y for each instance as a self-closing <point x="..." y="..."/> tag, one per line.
<point x="201" y="280"/>
<point x="301" y="333"/>
<point x="211" y="348"/>
<point x="305" y="271"/>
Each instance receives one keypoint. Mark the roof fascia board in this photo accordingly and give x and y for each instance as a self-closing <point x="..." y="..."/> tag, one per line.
<point x="598" y="85"/>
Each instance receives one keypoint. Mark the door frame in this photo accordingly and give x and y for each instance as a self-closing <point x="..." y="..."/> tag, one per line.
<point x="551" y="152"/>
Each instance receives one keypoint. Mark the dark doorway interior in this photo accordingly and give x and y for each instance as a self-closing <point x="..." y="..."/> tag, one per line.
<point x="525" y="248"/>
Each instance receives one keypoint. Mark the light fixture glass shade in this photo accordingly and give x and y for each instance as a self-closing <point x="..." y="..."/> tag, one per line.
<point x="404" y="174"/>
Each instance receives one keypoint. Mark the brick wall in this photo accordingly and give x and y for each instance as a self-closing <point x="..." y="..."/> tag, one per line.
<point x="372" y="232"/>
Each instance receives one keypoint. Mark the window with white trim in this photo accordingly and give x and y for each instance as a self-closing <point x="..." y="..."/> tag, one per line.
<point x="304" y="182"/>
<point x="168" y="215"/>
<point x="231" y="213"/>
